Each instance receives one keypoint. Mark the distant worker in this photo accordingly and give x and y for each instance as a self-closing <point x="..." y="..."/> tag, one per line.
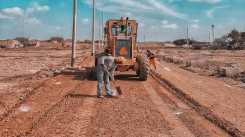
<point x="107" y="63"/>
<point x="152" y="60"/>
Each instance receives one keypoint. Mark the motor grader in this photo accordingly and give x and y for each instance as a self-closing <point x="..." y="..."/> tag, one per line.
<point x="120" y="38"/>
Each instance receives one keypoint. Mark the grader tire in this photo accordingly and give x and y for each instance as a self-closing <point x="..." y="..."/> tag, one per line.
<point x="144" y="68"/>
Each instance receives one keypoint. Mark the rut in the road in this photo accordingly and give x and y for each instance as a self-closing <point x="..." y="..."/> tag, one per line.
<point x="202" y="110"/>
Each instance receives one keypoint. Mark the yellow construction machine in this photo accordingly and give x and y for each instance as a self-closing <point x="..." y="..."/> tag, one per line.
<point x="120" y="38"/>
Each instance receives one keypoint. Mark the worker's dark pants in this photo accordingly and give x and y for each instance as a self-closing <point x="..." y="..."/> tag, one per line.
<point x="102" y="74"/>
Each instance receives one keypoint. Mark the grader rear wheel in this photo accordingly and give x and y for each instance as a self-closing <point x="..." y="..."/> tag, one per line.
<point x="143" y="72"/>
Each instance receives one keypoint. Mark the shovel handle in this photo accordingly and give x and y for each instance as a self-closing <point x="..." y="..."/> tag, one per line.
<point x="111" y="77"/>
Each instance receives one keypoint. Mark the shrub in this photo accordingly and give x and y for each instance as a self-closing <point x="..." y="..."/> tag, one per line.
<point x="197" y="46"/>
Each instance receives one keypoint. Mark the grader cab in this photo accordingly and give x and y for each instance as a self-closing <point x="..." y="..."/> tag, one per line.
<point x="120" y="39"/>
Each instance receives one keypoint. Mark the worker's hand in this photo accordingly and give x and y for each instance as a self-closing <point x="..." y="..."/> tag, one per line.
<point x="103" y="66"/>
<point x="112" y="78"/>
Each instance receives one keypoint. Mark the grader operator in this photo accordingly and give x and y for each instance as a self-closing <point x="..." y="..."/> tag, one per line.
<point x="120" y="39"/>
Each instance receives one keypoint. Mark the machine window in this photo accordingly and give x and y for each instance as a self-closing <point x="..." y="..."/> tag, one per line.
<point x="119" y="29"/>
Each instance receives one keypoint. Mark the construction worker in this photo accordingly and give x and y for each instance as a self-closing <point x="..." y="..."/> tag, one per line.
<point x="107" y="63"/>
<point x="152" y="60"/>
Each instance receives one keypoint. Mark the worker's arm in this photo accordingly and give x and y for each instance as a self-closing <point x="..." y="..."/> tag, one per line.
<point x="148" y="54"/>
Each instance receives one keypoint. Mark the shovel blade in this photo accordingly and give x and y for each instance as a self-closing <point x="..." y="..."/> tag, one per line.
<point x="119" y="91"/>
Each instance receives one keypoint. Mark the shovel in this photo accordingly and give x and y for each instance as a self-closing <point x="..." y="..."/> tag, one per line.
<point x="119" y="91"/>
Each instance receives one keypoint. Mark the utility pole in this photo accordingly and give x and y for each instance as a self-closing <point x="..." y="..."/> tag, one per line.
<point x="102" y="32"/>
<point x="99" y="36"/>
<point x="209" y="37"/>
<point x="74" y="35"/>
<point x="236" y="37"/>
<point x="93" y="29"/>
<point x="213" y="31"/>
<point x="187" y="39"/>
<point x="23" y="30"/>
<point x="23" y="24"/>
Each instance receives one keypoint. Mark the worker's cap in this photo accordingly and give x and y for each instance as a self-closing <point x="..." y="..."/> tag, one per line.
<point x="107" y="50"/>
<point x="120" y="60"/>
<point x="148" y="50"/>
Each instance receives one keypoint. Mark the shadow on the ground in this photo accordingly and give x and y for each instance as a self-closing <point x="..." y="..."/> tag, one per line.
<point x="82" y="96"/>
<point x="127" y="77"/>
<point x="77" y="74"/>
<point x="87" y="96"/>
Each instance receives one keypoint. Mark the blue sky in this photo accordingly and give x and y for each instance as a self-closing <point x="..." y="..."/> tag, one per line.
<point x="160" y="20"/>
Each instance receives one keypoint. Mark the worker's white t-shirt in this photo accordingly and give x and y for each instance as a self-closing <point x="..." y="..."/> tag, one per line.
<point x="109" y="63"/>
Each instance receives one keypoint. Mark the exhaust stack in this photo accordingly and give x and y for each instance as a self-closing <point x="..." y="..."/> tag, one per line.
<point x="126" y="27"/>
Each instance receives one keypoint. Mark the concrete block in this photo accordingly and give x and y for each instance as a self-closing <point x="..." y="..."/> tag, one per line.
<point x="176" y="60"/>
<point x="193" y="63"/>
<point x="228" y="71"/>
<point x="167" y="58"/>
<point x="220" y="70"/>
<point x="187" y="63"/>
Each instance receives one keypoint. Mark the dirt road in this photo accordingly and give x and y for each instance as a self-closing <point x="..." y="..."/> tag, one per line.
<point x="67" y="105"/>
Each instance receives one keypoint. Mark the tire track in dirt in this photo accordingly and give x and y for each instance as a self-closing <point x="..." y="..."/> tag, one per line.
<point x="177" y="127"/>
<point x="84" y="114"/>
<point x="195" y="122"/>
<point x="43" y="100"/>
<point x="72" y="116"/>
<point x="226" y="126"/>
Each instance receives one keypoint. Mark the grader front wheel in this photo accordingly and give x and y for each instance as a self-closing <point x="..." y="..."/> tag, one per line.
<point x="143" y="72"/>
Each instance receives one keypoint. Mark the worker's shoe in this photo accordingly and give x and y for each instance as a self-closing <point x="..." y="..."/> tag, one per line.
<point x="101" y="97"/>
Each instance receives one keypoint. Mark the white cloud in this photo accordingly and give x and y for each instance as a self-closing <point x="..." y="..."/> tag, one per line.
<point x="170" y="26"/>
<point x="164" y="22"/>
<point x="4" y="16"/>
<point x="128" y="14"/>
<point x="57" y="28"/>
<point x="166" y="10"/>
<point x="29" y="10"/>
<point x="141" y="25"/>
<point x="210" y="12"/>
<point x="125" y="5"/>
<point x="131" y="3"/>
<point x="166" y="25"/>
<point x="40" y="8"/>
<point x="14" y="11"/>
<point x="209" y="1"/>
<point x="85" y="21"/>
<point x="196" y="20"/>
<point x="195" y="26"/>
<point x="33" y="21"/>
<point x="174" y="0"/>
<point x="62" y="4"/>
